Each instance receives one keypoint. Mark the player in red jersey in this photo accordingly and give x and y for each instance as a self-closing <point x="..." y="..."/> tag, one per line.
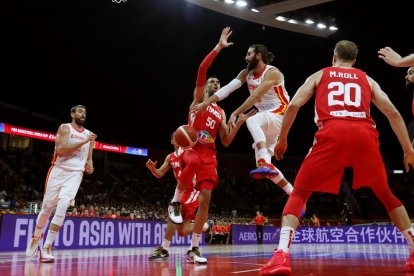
<point x="209" y="124"/>
<point x="346" y="138"/>
<point x="177" y="160"/>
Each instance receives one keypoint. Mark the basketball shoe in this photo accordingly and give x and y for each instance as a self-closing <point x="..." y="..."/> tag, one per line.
<point x="279" y="264"/>
<point x="46" y="255"/>
<point x="159" y="254"/>
<point x="174" y="212"/>
<point x="263" y="170"/>
<point x="194" y="256"/>
<point x="33" y="245"/>
<point x="409" y="265"/>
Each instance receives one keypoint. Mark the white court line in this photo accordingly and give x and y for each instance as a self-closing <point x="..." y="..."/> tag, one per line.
<point x="244" y="271"/>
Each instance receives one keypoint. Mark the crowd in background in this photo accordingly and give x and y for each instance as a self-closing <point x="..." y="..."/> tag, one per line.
<point x="122" y="188"/>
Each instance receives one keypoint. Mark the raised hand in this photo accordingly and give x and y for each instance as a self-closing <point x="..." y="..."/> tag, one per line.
<point x="389" y="56"/>
<point x="225" y="34"/>
<point x="151" y="164"/>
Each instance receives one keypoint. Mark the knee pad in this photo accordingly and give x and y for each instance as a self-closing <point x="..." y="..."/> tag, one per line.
<point x="388" y="199"/>
<point x="296" y="202"/>
<point x="62" y="207"/>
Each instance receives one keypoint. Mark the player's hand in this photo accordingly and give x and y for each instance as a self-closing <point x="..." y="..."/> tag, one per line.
<point x="201" y="107"/>
<point x="150" y="164"/>
<point x="231" y="123"/>
<point x="225" y="34"/>
<point x="92" y="136"/>
<point x="280" y="149"/>
<point x="89" y="167"/>
<point x="409" y="160"/>
<point x="389" y="56"/>
<point x="244" y="116"/>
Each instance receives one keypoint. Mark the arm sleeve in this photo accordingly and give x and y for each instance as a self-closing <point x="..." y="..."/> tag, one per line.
<point x="202" y="69"/>
<point x="223" y="92"/>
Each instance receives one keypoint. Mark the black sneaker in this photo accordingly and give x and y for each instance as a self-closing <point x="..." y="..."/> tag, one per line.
<point x="159" y="254"/>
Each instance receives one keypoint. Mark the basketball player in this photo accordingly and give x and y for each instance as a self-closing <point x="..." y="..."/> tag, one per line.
<point x="394" y="59"/>
<point x="209" y="124"/>
<point x="73" y="155"/>
<point x="346" y="138"/>
<point x="268" y="94"/>
<point x="189" y="200"/>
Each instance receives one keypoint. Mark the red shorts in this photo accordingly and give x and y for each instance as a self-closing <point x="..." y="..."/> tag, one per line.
<point x="340" y="144"/>
<point x="189" y="204"/>
<point x="206" y="175"/>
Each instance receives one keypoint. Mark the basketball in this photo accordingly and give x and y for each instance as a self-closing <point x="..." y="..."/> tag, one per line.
<point x="185" y="136"/>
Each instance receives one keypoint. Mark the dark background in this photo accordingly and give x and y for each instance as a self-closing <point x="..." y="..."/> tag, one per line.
<point x="134" y="64"/>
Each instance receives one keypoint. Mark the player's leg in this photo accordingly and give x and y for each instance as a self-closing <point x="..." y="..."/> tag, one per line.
<point x="71" y="182"/>
<point x="161" y="252"/>
<point x="50" y="199"/>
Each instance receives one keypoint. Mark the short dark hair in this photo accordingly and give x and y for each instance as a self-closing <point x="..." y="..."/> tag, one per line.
<point x="267" y="56"/>
<point x="346" y="50"/>
<point x="73" y="109"/>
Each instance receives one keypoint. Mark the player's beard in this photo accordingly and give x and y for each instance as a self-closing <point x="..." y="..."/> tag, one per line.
<point x="80" y="121"/>
<point x="251" y="65"/>
<point x="409" y="85"/>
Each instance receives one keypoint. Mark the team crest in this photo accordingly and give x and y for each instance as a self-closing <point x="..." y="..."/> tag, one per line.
<point x="204" y="137"/>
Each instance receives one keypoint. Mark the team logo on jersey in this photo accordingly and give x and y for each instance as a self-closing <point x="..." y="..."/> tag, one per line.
<point x="204" y="137"/>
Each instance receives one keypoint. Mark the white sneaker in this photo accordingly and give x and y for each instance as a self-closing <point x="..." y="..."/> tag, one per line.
<point x="194" y="256"/>
<point x="46" y="255"/>
<point x="174" y="212"/>
<point x="33" y="245"/>
<point x="206" y="228"/>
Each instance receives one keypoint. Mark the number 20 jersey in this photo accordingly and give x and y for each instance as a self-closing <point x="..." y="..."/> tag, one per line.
<point x="343" y="93"/>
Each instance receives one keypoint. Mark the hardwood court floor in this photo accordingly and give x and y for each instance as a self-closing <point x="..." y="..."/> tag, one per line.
<point x="309" y="259"/>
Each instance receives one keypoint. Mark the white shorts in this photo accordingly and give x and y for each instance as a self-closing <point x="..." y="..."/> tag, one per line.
<point x="60" y="184"/>
<point x="269" y="124"/>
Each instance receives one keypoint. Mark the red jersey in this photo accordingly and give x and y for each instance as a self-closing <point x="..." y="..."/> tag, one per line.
<point x="343" y="93"/>
<point x="259" y="220"/>
<point x="207" y="124"/>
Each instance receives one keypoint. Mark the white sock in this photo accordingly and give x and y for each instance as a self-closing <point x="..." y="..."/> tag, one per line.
<point x="286" y="236"/>
<point x="51" y="235"/>
<point x="288" y="188"/>
<point x="276" y="179"/>
<point x="195" y="240"/>
<point x="178" y="194"/>
<point x="409" y="237"/>
<point x="166" y="244"/>
<point x="264" y="153"/>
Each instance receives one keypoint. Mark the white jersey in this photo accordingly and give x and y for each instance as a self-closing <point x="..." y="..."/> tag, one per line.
<point x="75" y="161"/>
<point x="275" y="100"/>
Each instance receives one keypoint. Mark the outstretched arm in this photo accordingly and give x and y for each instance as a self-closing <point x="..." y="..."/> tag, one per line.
<point x="303" y="94"/>
<point x="271" y="78"/>
<point x="205" y="64"/>
<point x="394" y="59"/>
<point x="381" y="100"/>
<point x="161" y="171"/>
<point x="227" y="133"/>
<point x="222" y="93"/>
